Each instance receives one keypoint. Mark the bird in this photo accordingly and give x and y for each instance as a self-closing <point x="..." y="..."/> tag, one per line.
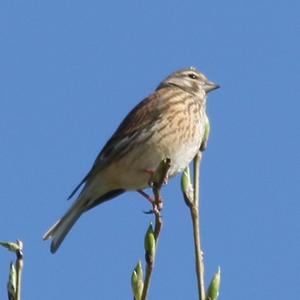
<point x="169" y="123"/>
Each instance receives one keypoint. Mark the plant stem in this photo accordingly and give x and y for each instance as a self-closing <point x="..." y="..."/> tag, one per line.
<point x="149" y="266"/>
<point x="15" y="271"/>
<point x="19" y="269"/>
<point x="195" y="213"/>
<point x="160" y="177"/>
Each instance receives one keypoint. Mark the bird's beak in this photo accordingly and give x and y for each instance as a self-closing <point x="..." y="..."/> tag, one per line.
<point x="210" y="86"/>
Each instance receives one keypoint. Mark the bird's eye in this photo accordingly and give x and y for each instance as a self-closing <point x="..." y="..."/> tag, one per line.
<point x="192" y="76"/>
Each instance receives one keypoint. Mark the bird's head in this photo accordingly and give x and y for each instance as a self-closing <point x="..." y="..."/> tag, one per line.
<point x="190" y="80"/>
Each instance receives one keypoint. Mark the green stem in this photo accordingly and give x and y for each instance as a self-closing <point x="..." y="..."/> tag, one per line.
<point x="150" y="266"/>
<point x="195" y="213"/>
<point x="159" y="178"/>
<point x="19" y="270"/>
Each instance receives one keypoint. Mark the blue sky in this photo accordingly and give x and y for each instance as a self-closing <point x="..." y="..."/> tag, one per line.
<point x="71" y="70"/>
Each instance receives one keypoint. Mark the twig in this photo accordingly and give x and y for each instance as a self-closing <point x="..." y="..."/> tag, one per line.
<point x="159" y="179"/>
<point x="150" y="264"/>
<point x="192" y="199"/>
<point x="195" y="213"/>
<point x="15" y="275"/>
<point x="191" y="194"/>
<point x="19" y="269"/>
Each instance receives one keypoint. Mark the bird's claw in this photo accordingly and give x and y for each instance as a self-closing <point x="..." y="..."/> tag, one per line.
<point x="156" y="208"/>
<point x="157" y="205"/>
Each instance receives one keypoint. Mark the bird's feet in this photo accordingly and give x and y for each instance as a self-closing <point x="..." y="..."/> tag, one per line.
<point x="157" y="206"/>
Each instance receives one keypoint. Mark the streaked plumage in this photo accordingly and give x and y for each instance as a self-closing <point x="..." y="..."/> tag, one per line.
<point x="168" y="123"/>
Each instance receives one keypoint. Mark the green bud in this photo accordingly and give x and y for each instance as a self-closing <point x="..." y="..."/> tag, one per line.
<point x="150" y="245"/>
<point x="203" y="145"/>
<point x="139" y="270"/>
<point x="186" y="186"/>
<point x="137" y="283"/>
<point x="213" y="289"/>
<point x="12" y="282"/>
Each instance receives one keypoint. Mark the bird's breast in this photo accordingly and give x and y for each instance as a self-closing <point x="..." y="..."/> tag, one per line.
<point x="177" y="134"/>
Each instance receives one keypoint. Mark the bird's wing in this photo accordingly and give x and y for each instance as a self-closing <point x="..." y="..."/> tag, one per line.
<point x="142" y="116"/>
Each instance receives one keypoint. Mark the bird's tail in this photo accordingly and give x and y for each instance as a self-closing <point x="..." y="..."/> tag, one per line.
<point x="85" y="202"/>
<point x="60" y="229"/>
